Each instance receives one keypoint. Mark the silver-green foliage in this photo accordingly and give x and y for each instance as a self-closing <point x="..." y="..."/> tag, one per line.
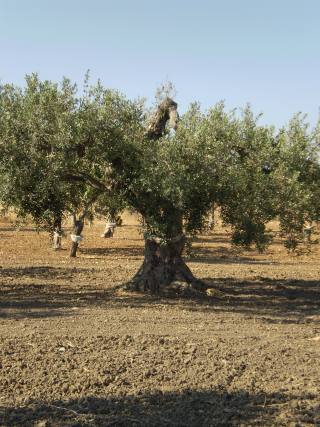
<point x="61" y="151"/>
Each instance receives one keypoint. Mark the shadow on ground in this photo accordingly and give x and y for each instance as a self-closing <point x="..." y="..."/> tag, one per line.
<point x="13" y="228"/>
<point x="44" y="271"/>
<point x="218" y="255"/>
<point x="36" y="300"/>
<point x="124" y="252"/>
<point x="188" y="408"/>
<point x="42" y="300"/>
<point x="273" y="301"/>
<point x="276" y="301"/>
<point x="223" y="255"/>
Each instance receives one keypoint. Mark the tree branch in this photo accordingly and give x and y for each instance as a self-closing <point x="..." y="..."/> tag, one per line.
<point x="88" y="205"/>
<point x="166" y="112"/>
<point x="87" y="179"/>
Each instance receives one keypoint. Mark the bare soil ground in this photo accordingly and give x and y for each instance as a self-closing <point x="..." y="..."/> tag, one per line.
<point x="76" y="350"/>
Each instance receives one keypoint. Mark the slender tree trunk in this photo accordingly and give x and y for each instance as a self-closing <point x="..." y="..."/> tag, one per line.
<point x="57" y="234"/>
<point x="76" y="236"/>
<point x="211" y="218"/>
<point x="163" y="264"/>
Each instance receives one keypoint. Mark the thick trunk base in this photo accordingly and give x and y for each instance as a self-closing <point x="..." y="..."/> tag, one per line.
<point x="163" y="264"/>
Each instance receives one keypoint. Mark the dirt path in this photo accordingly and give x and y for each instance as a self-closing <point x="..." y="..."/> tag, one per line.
<point x="75" y="350"/>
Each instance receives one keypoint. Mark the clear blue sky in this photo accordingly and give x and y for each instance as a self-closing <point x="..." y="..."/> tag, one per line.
<point x="266" y="52"/>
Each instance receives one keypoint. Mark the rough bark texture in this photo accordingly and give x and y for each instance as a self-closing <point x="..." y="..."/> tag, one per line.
<point x="77" y="230"/>
<point x="166" y="112"/>
<point x="162" y="265"/>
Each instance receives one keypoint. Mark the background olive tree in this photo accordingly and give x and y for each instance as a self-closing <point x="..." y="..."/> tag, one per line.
<point x="299" y="176"/>
<point x="30" y="128"/>
<point x="37" y="124"/>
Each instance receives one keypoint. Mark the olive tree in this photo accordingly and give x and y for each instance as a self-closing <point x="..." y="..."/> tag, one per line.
<point x="299" y="174"/>
<point x="29" y="131"/>
<point x="250" y="185"/>
<point x="172" y="179"/>
<point x="70" y="152"/>
<point x="37" y="123"/>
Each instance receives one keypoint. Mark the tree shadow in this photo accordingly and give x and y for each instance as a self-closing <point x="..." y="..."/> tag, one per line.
<point x="273" y="300"/>
<point x="43" y="300"/>
<point x="132" y="239"/>
<point x="186" y="408"/>
<point x="123" y="252"/>
<point x="39" y="300"/>
<point x="212" y="237"/>
<point x="15" y="228"/>
<point x="218" y="255"/>
<point x="6" y="229"/>
<point x="223" y="255"/>
<point x="43" y="272"/>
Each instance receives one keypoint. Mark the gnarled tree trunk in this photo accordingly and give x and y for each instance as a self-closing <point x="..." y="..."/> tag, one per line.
<point x="162" y="265"/>
<point x="163" y="262"/>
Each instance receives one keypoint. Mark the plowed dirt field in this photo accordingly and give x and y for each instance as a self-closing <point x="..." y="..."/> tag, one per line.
<point x="76" y="350"/>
